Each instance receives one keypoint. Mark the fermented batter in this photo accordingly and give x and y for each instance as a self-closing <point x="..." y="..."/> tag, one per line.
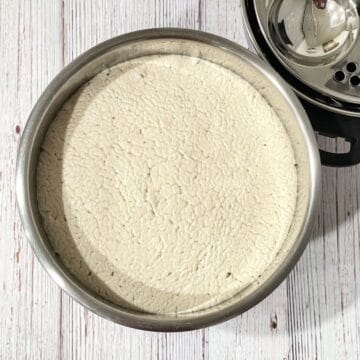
<point x="167" y="184"/>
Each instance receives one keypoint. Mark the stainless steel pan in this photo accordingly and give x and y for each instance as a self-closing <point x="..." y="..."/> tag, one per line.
<point x="217" y="50"/>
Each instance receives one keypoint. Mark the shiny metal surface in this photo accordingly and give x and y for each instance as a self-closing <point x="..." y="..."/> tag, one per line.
<point x="314" y="39"/>
<point x="313" y="32"/>
<point x="191" y="43"/>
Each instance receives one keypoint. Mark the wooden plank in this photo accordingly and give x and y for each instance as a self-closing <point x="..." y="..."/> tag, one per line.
<point x="92" y="337"/>
<point x="260" y="333"/>
<point x="30" y="306"/>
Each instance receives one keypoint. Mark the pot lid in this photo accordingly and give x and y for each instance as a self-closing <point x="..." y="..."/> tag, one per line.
<point x="317" y="41"/>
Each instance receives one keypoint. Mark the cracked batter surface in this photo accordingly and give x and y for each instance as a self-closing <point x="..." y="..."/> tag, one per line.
<point x="167" y="184"/>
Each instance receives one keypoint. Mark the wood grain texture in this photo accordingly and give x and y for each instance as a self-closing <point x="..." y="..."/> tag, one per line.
<point x="314" y="314"/>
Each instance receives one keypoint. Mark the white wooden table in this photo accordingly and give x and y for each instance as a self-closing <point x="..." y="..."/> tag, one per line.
<point x="314" y="314"/>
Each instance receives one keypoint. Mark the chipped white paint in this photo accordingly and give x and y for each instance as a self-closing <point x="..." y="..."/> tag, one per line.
<point x="315" y="313"/>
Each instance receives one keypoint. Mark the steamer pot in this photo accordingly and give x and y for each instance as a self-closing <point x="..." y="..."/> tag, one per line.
<point x="217" y="50"/>
<point x="314" y="45"/>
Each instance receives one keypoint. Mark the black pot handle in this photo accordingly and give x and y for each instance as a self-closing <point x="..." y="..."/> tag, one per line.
<point x="340" y="160"/>
<point x="335" y="125"/>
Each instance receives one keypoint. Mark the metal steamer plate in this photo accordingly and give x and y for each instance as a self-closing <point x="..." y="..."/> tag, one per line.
<point x="317" y="41"/>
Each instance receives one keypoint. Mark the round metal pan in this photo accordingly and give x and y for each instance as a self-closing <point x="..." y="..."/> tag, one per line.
<point x="211" y="48"/>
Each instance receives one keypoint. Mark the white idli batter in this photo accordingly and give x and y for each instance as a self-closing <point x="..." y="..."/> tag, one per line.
<point x="167" y="184"/>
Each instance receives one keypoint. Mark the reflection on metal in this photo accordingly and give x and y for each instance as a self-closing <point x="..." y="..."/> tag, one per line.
<point x="313" y="32"/>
